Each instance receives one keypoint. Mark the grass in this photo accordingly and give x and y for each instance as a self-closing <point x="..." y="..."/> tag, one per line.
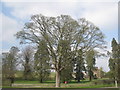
<point x="51" y="84"/>
<point x="19" y="83"/>
<point x="67" y="86"/>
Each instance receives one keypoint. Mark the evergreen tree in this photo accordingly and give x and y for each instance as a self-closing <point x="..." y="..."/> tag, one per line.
<point x="42" y="62"/>
<point x="66" y="59"/>
<point x="66" y="74"/>
<point x="118" y="63"/>
<point x="79" y="65"/>
<point x="114" y="61"/>
<point x="90" y="60"/>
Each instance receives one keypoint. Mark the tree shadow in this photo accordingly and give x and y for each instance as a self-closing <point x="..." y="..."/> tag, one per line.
<point x="82" y="81"/>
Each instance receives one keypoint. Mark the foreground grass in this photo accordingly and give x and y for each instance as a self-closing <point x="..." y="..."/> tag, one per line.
<point x="70" y="86"/>
<point x="51" y="84"/>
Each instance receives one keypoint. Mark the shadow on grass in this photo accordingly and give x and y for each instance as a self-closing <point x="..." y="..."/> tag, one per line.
<point x="49" y="82"/>
<point x="83" y="81"/>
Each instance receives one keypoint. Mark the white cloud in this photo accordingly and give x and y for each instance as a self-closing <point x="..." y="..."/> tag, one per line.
<point x="23" y="10"/>
<point x="103" y="62"/>
<point x="104" y="15"/>
<point x="9" y="28"/>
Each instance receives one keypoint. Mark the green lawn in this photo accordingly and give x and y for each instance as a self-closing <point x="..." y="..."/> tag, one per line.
<point x="51" y="84"/>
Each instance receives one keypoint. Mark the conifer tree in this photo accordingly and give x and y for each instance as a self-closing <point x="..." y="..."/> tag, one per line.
<point x="90" y="60"/>
<point x="42" y="62"/>
<point x="114" y="61"/>
<point x="79" y="65"/>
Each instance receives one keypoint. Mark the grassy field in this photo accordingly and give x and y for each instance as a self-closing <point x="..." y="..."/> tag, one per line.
<point x="51" y="84"/>
<point x="96" y="83"/>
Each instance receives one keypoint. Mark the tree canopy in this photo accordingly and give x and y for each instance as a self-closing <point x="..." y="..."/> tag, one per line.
<point x="63" y="36"/>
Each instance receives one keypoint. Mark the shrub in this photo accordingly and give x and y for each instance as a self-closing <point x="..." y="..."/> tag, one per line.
<point x="98" y="82"/>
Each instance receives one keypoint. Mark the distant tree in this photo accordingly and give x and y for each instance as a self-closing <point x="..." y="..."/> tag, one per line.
<point x="109" y="75"/>
<point x="101" y="72"/>
<point x="63" y="28"/>
<point x="27" y="60"/>
<point x="9" y="64"/>
<point x="90" y="60"/>
<point x="5" y="71"/>
<point x="42" y="61"/>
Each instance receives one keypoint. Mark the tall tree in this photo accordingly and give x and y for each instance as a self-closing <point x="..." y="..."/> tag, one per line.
<point x="90" y="60"/>
<point x="27" y="57"/>
<point x="66" y="60"/>
<point x="114" y="61"/>
<point x="54" y="30"/>
<point x="79" y="65"/>
<point x="9" y="63"/>
<point x="42" y="62"/>
<point x="118" y="64"/>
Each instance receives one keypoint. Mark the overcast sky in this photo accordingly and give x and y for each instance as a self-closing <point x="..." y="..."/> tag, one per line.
<point x="103" y="13"/>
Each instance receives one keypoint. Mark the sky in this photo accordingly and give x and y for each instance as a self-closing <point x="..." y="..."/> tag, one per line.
<point x="14" y="13"/>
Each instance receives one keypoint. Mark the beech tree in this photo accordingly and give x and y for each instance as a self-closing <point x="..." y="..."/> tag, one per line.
<point x="59" y="32"/>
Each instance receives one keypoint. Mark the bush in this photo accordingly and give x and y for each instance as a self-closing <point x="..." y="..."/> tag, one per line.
<point x="6" y="82"/>
<point x="98" y="82"/>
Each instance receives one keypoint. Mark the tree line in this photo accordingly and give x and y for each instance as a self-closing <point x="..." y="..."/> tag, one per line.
<point x="63" y="45"/>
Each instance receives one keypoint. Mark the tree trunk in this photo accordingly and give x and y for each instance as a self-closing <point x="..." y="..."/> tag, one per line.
<point x="90" y="78"/>
<point x="41" y="81"/>
<point x="78" y="80"/>
<point x="57" y="79"/>
<point x="90" y="75"/>
<point x="40" y="77"/>
<point x="116" y="84"/>
<point x="12" y="80"/>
